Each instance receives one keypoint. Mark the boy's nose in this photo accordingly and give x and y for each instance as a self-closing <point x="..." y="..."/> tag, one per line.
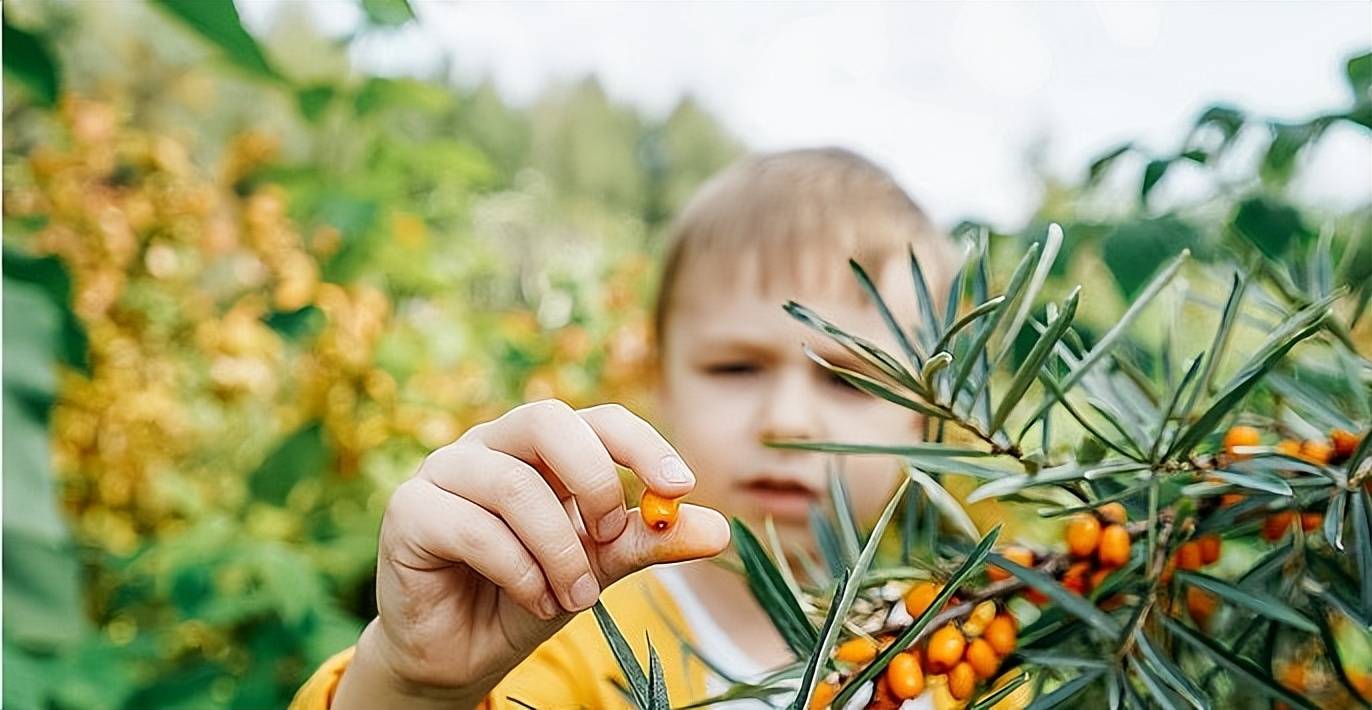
<point x="788" y="411"/>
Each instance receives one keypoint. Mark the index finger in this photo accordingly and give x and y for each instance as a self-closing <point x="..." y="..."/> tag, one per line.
<point x="635" y="444"/>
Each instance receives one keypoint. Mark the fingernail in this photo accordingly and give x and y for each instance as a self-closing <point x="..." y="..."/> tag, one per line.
<point x="549" y="606"/>
<point x="610" y="525"/>
<point x="674" y="470"/>
<point x="585" y="592"/>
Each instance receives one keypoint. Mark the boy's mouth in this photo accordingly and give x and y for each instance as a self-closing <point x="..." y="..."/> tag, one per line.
<point x="783" y="498"/>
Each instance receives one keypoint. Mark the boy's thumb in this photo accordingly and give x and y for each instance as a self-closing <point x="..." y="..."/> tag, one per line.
<point x="698" y="532"/>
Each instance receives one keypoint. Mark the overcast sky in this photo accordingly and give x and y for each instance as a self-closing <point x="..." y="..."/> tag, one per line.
<point x="950" y="96"/>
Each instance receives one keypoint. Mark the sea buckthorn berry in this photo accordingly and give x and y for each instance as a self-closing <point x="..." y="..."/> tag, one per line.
<point x="1276" y="525"/>
<point x="883" y="698"/>
<point x="976" y="622"/>
<point x="1189" y="556"/>
<point x="1021" y="556"/>
<point x="1035" y="597"/>
<point x="856" y="650"/>
<point x="1201" y="604"/>
<point x="1098" y="577"/>
<point x="1001" y="633"/>
<point x="920" y="596"/>
<point x="982" y="658"/>
<point x="1074" y="578"/>
<point x="962" y="680"/>
<point x="1083" y="534"/>
<point x="1311" y="520"/>
<point x="1289" y="447"/>
<point x="904" y="676"/>
<point x="1240" y="436"/>
<point x="1345" y="443"/>
<point x="1113" y="512"/>
<point x="1316" y="451"/>
<point x="1228" y="499"/>
<point x="1362" y="682"/>
<point x="824" y="695"/>
<point x="658" y="512"/>
<point x="1168" y="568"/>
<point x="945" y="649"/>
<point x="1114" y="546"/>
<point x="1209" y="548"/>
<point x="1292" y="675"/>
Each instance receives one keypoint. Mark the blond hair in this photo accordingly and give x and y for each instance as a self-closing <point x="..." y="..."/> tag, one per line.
<point x="800" y="215"/>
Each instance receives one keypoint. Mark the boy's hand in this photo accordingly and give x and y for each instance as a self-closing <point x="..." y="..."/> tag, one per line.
<point x="500" y="537"/>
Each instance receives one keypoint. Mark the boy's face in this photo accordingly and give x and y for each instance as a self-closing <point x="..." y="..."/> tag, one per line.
<point x="734" y="375"/>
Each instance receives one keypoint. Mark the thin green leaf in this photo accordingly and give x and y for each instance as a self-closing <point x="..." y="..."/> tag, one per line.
<point x="218" y="22"/>
<point x="624" y="656"/>
<point x="891" y="323"/>
<point x="783" y="564"/>
<point x="1051" y="244"/>
<point x="1033" y="364"/>
<point x="1362" y="544"/>
<point x="872" y="386"/>
<point x="972" y="563"/>
<point x="1016" y="285"/>
<point x="1233" y="393"/>
<point x="945" y="502"/>
<point x="967" y="319"/>
<point x="1072" y="603"/>
<point x="926" y="299"/>
<point x="1191" y="372"/>
<point x="1255" y="480"/>
<point x="1066" y="691"/>
<point x="843" y="511"/>
<point x="1261" y="604"/>
<point x="1057" y="392"/>
<point x="864" y="350"/>
<point x="657" y="683"/>
<point x="1218" y="346"/>
<point x="770" y="590"/>
<point x="1334" y="522"/>
<point x="1236" y="664"/>
<point x="1158" y="690"/>
<point x="836" y="447"/>
<point x="990" y="699"/>
<point x="1169" y="672"/>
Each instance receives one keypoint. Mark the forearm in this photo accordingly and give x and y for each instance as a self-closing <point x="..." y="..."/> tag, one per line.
<point x="369" y="682"/>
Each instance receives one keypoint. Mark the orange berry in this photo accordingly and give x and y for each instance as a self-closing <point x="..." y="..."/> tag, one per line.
<point x="1098" y="577"/>
<point x="976" y="622"/>
<point x="904" y="676"/>
<point x="1289" y="447"/>
<point x="856" y="650"/>
<point x="1345" y="443"/>
<point x="823" y="695"/>
<point x="1189" y="556"/>
<point x="920" y="596"/>
<point x="1201" y="604"/>
<point x="1316" y="451"/>
<point x="1292" y="676"/>
<point x="962" y="680"/>
<point x="1276" y="525"/>
<point x="982" y="658"/>
<point x="1228" y="499"/>
<point x="1035" y="597"/>
<point x="1168" y="568"/>
<point x="1074" y="578"/>
<point x="883" y="698"/>
<point x="1362" y="682"/>
<point x="1113" y="512"/>
<point x="659" y="513"/>
<point x="1083" y="534"/>
<point x="1240" y="436"/>
<point x="945" y="648"/>
<point x="1001" y="634"/>
<point x="1209" y="548"/>
<point x="1021" y="556"/>
<point x="1311" y="520"/>
<point x="1114" y="546"/>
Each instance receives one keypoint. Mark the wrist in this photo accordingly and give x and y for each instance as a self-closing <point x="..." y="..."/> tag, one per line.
<point x="375" y="678"/>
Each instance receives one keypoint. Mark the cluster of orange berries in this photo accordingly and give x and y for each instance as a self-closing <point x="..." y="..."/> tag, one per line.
<point x="956" y="657"/>
<point x="1098" y="543"/>
<point x="1339" y="447"/>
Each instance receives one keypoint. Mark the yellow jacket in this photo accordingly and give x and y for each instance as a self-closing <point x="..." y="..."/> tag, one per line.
<point x="573" y="669"/>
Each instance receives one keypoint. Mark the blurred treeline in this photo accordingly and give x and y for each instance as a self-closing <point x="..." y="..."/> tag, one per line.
<point x="273" y="283"/>
<point x="248" y="286"/>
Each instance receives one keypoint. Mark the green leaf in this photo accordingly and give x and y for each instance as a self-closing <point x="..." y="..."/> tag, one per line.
<point x="1169" y="672"/>
<point x="301" y="455"/>
<point x="843" y="511"/>
<point x="1017" y="283"/>
<point x="217" y="21"/>
<point x="1072" y="603"/>
<point x="827" y="541"/>
<point x="1334" y="522"/>
<point x="1101" y="165"/>
<point x="890" y="319"/>
<point x="1261" y="604"/>
<point x="971" y="564"/>
<point x="770" y="590"/>
<point x="1066" y="691"/>
<point x="870" y="385"/>
<point x="1167" y="413"/>
<point x="1362" y="544"/>
<point x="1056" y="390"/>
<point x="657" y="682"/>
<point x="1243" y="667"/>
<point x="29" y="61"/>
<point x="313" y="100"/>
<point x="1051" y="244"/>
<point x="944" y="501"/>
<point x="1359" y="73"/>
<point x="1158" y="690"/>
<point x="992" y="697"/>
<point x="1269" y="225"/>
<point x="1255" y="480"/>
<point x="624" y="656"/>
<point x="836" y="447"/>
<point x="1135" y="250"/>
<point x="1152" y="173"/>
<point x="1033" y="364"/>
<point x="926" y="298"/>
<point x="49" y="275"/>
<point x="863" y="350"/>
<point x="388" y="13"/>
<point x="966" y="320"/>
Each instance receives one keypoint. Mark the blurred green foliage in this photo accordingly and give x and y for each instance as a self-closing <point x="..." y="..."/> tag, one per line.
<point x="247" y="288"/>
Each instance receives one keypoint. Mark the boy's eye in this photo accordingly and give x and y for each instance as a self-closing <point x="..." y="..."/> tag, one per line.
<point x="732" y="368"/>
<point x="840" y="383"/>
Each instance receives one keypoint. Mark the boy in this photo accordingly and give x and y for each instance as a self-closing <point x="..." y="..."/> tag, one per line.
<point x="488" y="554"/>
